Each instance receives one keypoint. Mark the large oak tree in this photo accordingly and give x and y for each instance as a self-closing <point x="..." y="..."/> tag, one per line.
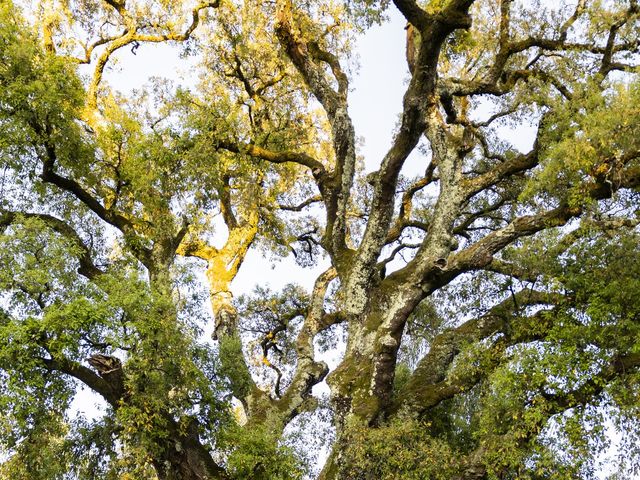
<point x="485" y="312"/>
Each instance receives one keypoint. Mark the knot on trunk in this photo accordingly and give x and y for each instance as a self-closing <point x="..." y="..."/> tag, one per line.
<point x="105" y="364"/>
<point x="226" y="319"/>
<point x="109" y="368"/>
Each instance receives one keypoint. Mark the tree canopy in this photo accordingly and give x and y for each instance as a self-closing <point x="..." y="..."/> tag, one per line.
<point x="484" y="312"/>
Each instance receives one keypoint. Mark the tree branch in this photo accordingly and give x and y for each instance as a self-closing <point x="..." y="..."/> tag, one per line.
<point x="98" y="384"/>
<point x="303" y="55"/>
<point x="308" y="371"/>
<point x="419" y="114"/>
<point x="254" y="150"/>
<point x="131" y="35"/>
<point x="301" y="206"/>
<point x="481" y="253"/>
<point x="115" y="219"/>
<point x="87" y="268"/>
<point x="429" y="384"/>
<point x="412" y="12"/>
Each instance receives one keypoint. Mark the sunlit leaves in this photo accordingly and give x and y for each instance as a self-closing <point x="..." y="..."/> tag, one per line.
<point x="404" y="448"/>
<point x="256" y="454"/>
<point x="40" y="96"/>
<point x="589" y="139"/>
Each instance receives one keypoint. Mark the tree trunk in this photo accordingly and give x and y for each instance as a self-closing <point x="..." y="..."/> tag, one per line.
<point x="184" y="458"/>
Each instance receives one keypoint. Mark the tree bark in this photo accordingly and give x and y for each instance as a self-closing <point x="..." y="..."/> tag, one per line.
<point x="185" y="458"/>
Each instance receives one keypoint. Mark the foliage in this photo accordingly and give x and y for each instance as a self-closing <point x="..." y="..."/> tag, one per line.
<point x="402" y="449"/>
<point x="257" y="454"/>
<point x="475" y="319"/>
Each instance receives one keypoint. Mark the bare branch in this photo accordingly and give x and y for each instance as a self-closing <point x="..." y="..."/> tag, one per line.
<point x="131" y="36"/>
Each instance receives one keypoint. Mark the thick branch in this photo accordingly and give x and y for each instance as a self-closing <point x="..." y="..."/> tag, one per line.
<point x="305" y="55"/>
<point x="419" y="110"/>
<point x="414" y="14"/>
<point x="481" y="253"/>
<point x="429" y="384"/>
<point x="253" y="150"/>
<point x="308" y="371"/>
<point x="111" y="393"/>
<point x="585" y="392"/>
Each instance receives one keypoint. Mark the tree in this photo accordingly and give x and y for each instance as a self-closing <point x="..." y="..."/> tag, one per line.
<point x="485" y="304"/>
